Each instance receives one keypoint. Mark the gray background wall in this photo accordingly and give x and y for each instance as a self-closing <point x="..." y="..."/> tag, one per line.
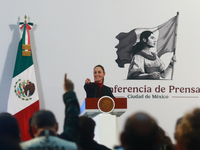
<point x="72" y="36"/>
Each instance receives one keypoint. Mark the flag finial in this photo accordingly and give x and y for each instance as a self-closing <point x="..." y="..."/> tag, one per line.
<point x="25" y="19"/>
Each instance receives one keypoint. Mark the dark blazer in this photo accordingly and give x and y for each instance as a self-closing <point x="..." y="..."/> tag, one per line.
<point x="93" y="91"/>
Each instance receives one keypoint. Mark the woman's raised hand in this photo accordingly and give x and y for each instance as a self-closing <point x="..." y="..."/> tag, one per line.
<point x="87" y="81"/>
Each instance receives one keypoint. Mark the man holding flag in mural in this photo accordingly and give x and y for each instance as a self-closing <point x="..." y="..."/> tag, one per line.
<point x="136" y="48"/>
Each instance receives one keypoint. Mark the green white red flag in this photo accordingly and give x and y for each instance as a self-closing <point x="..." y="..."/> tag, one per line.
<point x="23" y="99"/>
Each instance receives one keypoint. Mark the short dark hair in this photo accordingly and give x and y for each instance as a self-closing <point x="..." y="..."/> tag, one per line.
<point x="43" y="118"/>
<point x="9" y="126"/>
<point x="87" y="126"/>
<point x="141" y="131"/>
<point x="30" y="128"/>
<point x="7" y="143"/>
<point x="187" y="132"/>
<point x="100" y="67"/>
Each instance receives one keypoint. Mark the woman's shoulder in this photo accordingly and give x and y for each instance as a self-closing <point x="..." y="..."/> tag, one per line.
<point x="105" y="86"/>
<point x="138" y="58"/>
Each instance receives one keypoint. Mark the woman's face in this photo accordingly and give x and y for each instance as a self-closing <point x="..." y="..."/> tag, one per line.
<point x="98" y="74"/>
<point x="151" y="40"/>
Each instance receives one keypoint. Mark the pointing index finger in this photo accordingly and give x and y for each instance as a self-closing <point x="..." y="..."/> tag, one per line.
<point x="65" y="77"/>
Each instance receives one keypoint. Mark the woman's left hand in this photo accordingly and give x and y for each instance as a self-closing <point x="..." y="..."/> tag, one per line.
<point x="173" y="59"/>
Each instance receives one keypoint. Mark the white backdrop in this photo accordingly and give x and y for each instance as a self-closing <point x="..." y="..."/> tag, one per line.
<point x="72" y="36"/>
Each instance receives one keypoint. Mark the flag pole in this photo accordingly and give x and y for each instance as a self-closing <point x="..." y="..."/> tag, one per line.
<point x="25" y="19"/>
<point x="175" y="39"/>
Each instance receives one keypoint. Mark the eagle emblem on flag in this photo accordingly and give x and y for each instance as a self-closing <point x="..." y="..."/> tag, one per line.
<point x="24" y="89"/>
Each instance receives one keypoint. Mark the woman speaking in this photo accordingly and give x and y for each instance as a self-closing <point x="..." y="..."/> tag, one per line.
<point x="96" y="89"/>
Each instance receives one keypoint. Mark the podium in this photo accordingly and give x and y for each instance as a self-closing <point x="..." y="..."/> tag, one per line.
<point x="104" y="112"/>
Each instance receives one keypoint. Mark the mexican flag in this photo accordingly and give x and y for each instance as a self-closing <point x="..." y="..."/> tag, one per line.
<point x="165" y="35"/>
<point x="23" y="99"/>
